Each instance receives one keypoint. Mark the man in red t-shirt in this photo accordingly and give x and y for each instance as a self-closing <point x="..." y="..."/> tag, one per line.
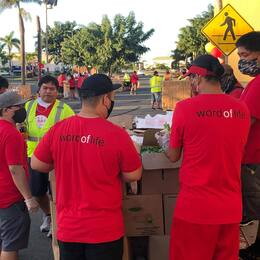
<point x="249" y="64"/>
<point x="15" y="196"/>
<point x="90" y="156"/>
<point x="211" y="129"/>
<point x="134" y="83"/>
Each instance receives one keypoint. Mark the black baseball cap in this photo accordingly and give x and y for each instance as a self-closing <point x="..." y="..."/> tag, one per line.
<point x="97" y="85"/>
<point x="205" y="65"/>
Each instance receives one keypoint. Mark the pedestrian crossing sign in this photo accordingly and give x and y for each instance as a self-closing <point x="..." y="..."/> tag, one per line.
<point x="224" y="29"/>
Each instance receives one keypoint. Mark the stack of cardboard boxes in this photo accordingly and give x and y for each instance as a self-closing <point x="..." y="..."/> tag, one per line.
<point x="149" y="213"/>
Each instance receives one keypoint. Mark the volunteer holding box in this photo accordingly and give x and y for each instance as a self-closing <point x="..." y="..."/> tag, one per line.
<point x="211" y="128"/>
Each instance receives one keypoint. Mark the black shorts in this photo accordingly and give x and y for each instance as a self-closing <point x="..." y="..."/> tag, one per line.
<point x="14" y="227"/>
<point x="39" y="182"/>
<point x="250" y="177"/>
<point x="101" y="251"/>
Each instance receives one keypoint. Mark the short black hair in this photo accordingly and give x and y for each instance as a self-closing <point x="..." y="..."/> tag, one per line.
<point x="48" y="79"/>
<point x="93" y="101"/>
<point x="250" y="41"/>
<point x="3" y="82"/>
<point x="212" y="79"/>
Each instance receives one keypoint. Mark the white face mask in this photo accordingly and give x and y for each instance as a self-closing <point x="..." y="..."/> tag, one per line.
<point x="42" y="103"/>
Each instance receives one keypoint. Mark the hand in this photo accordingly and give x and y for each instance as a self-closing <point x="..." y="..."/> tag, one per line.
<point x="163" y="139"/>
<point x="32" y="205"/>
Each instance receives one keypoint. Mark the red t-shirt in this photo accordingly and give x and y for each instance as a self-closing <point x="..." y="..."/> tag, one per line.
<point x="40" y="110"/>
<point x="12" y="152"/>
<point x="251" y="96"/>
<point x="134" y="78"/>
<point x="236" y="93"/>
<point x="72" y="83"/>
<point x="88" y="154"/>
<point x="61" y="78"/>
<point x="212" y="129"/>
<point x="81" y="79"/>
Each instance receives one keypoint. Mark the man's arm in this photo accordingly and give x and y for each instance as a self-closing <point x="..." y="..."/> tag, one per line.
<point x="132" y="176"/>
<point x="40" y="166"/>
<point x="174" y="154"/>
<point x="21" y="182"/>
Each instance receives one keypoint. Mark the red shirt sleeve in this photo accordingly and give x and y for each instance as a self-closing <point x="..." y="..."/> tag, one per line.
<point x="176" y="137"/>
<point x="129" y="158"/>
<point x="252" y="98"/>
<point x="43" y="149"/>
<point x="14" y="149"/>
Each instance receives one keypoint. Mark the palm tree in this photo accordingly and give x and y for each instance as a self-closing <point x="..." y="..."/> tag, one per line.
<point x="9" y="42"/>
<point x="5" y="4"/>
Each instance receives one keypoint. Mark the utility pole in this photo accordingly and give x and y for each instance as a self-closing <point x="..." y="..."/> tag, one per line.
<point x="39" y="47"/>
<point x="48" y="5"/>
<point x="46" y="34"/>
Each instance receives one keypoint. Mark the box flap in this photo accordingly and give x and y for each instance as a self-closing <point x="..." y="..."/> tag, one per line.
<point x="153" y="161"/>
<point x="149" y="138"/>
<point x="125" y="121"/>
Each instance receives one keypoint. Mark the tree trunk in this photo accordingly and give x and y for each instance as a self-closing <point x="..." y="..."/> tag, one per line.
<point x="10" y="61"/>
<point x="22" y="46"/>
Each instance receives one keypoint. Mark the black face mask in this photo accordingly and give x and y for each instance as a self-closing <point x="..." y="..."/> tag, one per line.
<point x="249" y="67"/>
<point x="19" y="115"/>
<point x="109" y="110"/>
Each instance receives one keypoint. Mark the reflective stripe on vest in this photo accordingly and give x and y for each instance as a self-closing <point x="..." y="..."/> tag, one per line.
<point x="34" y="139"/>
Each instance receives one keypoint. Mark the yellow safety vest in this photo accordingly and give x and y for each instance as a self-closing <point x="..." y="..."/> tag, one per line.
<point x="126" y="78"/>
<point x="59" y="111"/>
<point x="156" y="84"/>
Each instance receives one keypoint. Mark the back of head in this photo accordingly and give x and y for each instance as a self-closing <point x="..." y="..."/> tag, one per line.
<point x="250" y="41"/>
<point x="155" y="73"/>
<point x="206" y="66"/>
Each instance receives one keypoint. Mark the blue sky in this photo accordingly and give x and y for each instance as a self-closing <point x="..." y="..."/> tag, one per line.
<point x="165" y="16"/>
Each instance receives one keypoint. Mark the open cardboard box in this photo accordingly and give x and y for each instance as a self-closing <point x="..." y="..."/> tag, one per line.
<point x="154" y="161"/>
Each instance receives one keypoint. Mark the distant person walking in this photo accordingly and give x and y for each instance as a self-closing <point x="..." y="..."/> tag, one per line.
<point x="156" y="90"/>
<point x="61" y="79"/>
<point x="134" y="83"/>
<point x="231" y="23"/>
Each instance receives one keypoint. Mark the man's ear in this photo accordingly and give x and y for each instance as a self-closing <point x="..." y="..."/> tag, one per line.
<point x="106" y="100"/>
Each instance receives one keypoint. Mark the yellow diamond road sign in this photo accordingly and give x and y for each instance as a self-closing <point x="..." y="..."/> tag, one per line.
<point x="226" y="28"/>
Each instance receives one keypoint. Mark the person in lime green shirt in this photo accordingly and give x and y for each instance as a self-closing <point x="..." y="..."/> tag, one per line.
<point x="42" y="114"/>
<point x="156" y="90"/>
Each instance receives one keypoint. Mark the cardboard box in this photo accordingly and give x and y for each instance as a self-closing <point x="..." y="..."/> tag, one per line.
<point x="125" y="121"/>
<point x="127" y="250"/>
<point x="154" y="161"/>
<point x="143" y="215"/>
<point x="159" y="247"/>
<point x="173" y="92"/>
<point x="52" y="181"/>
<point x="169" y="203"/>
<point x="23" y="90"/>
<point x="160" y="181"/>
